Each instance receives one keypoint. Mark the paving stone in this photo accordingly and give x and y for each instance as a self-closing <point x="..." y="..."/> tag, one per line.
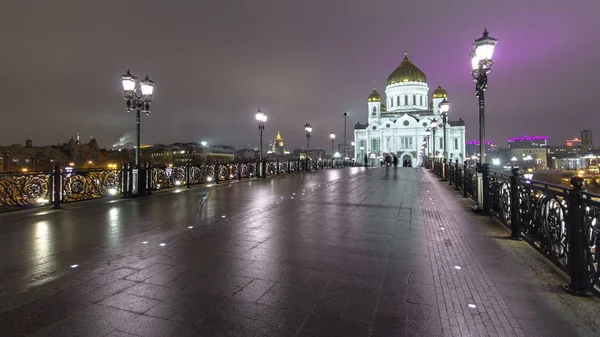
<point x="359" y="256"/>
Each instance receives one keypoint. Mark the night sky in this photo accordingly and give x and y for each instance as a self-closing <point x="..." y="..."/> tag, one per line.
<point x="215" y="62"/>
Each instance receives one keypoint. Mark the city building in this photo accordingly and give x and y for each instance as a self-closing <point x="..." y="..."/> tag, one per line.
<point x="396" y="124"/>
<point x="575" y="142"/>
<point x="472" y="148"/>
<point x="530" y="157"/>
<point x="587" y="142"/>
<point x="528" y="141"/>
<point x="182" y="153"/>
<point x="19" y="158"/>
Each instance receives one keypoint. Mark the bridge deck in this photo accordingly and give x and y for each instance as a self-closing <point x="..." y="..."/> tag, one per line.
<point x="348" y="252"/>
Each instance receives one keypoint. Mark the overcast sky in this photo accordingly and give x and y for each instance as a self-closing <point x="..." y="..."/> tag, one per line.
<point x="216" y="61"/>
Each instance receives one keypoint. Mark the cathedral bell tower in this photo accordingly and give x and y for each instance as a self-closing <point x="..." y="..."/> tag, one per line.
<point x="374" y="103"/>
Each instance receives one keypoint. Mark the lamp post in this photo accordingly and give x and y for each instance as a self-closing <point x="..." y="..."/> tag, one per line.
<point x="426" y="141"/>
<point x="362" y="155"/>
<point x="261" y="119"/>
<point x="481" y="62"/>
<point x="444" y="108"/>
<point x="138" y="95"/>
<point x="433" y="128"/>
<point x="308" y="130"/>
<point x="332" y="137"/>
<point x="345" y="115"/>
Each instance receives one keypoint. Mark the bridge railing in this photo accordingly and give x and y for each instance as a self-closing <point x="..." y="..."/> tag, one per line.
<point x="562" y="223"/>
<point x="22" y="190"/>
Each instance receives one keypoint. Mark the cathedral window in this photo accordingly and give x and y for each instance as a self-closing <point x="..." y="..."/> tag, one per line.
<point x="406" y="142"/>
<point x="398" y="100"/>
<point x="405" y="100"/>
<point x="375" y="145"/>
<point x="414" y="99"/>
<point x="374" y="110"/>
<point x="421" y="100"/>
<point x="391" y="101"/>
<point x="456" y="143"/>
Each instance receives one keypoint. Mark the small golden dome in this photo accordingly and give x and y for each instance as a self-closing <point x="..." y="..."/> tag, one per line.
<point x="406" y="72"/>
<point x="374" y="96"/>
<point x="383" y="108"/>
<point x="439" y="92"/>
<point x="278" y="137"/>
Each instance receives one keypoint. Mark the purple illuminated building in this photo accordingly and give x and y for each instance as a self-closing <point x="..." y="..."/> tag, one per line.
<point x="527" y="141"/>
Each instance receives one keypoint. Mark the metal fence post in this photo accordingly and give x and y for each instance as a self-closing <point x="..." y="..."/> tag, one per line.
<point x="450" y="171"/>
<point x="148" y="168"/>
<point x="515" y="206"/>
<point x="575" y="236"/>
<point x="465" y="179"/>
<point x="456" y="175"/>
<point x="57" y="187"/>
<point x="239" y="165"/>
<point x="216" y="172"/>
<point x="277" y="166"/>
<point x="129" y="180"/>
<point x="187" y="174"/>
<point x="485" y="174"/>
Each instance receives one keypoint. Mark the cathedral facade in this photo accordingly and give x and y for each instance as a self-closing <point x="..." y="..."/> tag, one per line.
<point x="397" y="124"/>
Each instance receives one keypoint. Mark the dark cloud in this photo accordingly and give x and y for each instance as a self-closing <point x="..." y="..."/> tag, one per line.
<point x="216" y="61"/>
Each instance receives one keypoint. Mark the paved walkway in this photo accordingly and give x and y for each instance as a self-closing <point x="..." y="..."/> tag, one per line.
<point x="347" y="252"/>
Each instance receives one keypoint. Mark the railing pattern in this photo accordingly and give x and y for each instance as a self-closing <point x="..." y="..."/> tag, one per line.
<point x="33" y="189"/>
<point x="22" y="190"/>
<point x="561" y="223"/>
<point x="89" y="184"/>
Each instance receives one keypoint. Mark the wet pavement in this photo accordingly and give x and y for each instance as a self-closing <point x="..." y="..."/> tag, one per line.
<point x="345" y="252"/>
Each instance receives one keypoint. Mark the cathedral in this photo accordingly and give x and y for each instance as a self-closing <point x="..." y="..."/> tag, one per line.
<point x="397" y="124"/>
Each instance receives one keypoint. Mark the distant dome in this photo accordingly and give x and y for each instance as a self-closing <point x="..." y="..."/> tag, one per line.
<point x="374" y="96"/>
<point x="383" y="108"/>
<point x="406" y="72"/>
<point x="439" y="92"/>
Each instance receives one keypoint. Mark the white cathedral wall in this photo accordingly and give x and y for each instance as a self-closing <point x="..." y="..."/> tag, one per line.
<point x="396" y="93"/>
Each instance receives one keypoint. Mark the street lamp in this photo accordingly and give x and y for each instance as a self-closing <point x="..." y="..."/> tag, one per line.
<point x="345" y="115"/>
<point x="444" y="108"/>
<point x="481" y="63"/>
<point x="332" y="136"/>
<point x="308" y="130"/>
<point x="138" y="96"/>
<point x="434" y="125"/>
<point x="426" y="141"/>
<point x="261" y="119"/>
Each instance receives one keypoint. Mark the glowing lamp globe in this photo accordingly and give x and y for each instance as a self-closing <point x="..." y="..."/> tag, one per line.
<point x="444" y="106"/>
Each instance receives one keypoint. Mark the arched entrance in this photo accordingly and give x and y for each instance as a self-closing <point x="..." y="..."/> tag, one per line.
<point x="407" y="160"/>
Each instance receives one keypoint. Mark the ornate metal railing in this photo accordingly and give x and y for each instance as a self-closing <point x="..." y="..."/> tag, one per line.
<point x="561" y="223"/>
<point x="82" y="185"/>
<point x="34" y="189"/>
<point x="24" y="190"/>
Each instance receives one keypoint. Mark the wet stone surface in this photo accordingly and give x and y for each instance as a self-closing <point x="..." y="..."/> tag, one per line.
<point x="355" y="253"/>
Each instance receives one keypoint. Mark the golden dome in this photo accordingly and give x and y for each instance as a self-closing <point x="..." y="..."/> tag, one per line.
<point x="406" y="72"/>
<point x="439" y="92"/>
<point x="383" y="108"/>
<point x="374" y="96"/>
<point x="278" y="137"/>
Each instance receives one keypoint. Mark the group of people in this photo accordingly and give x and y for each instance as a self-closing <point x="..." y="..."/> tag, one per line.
<point x="393" y="160"/>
